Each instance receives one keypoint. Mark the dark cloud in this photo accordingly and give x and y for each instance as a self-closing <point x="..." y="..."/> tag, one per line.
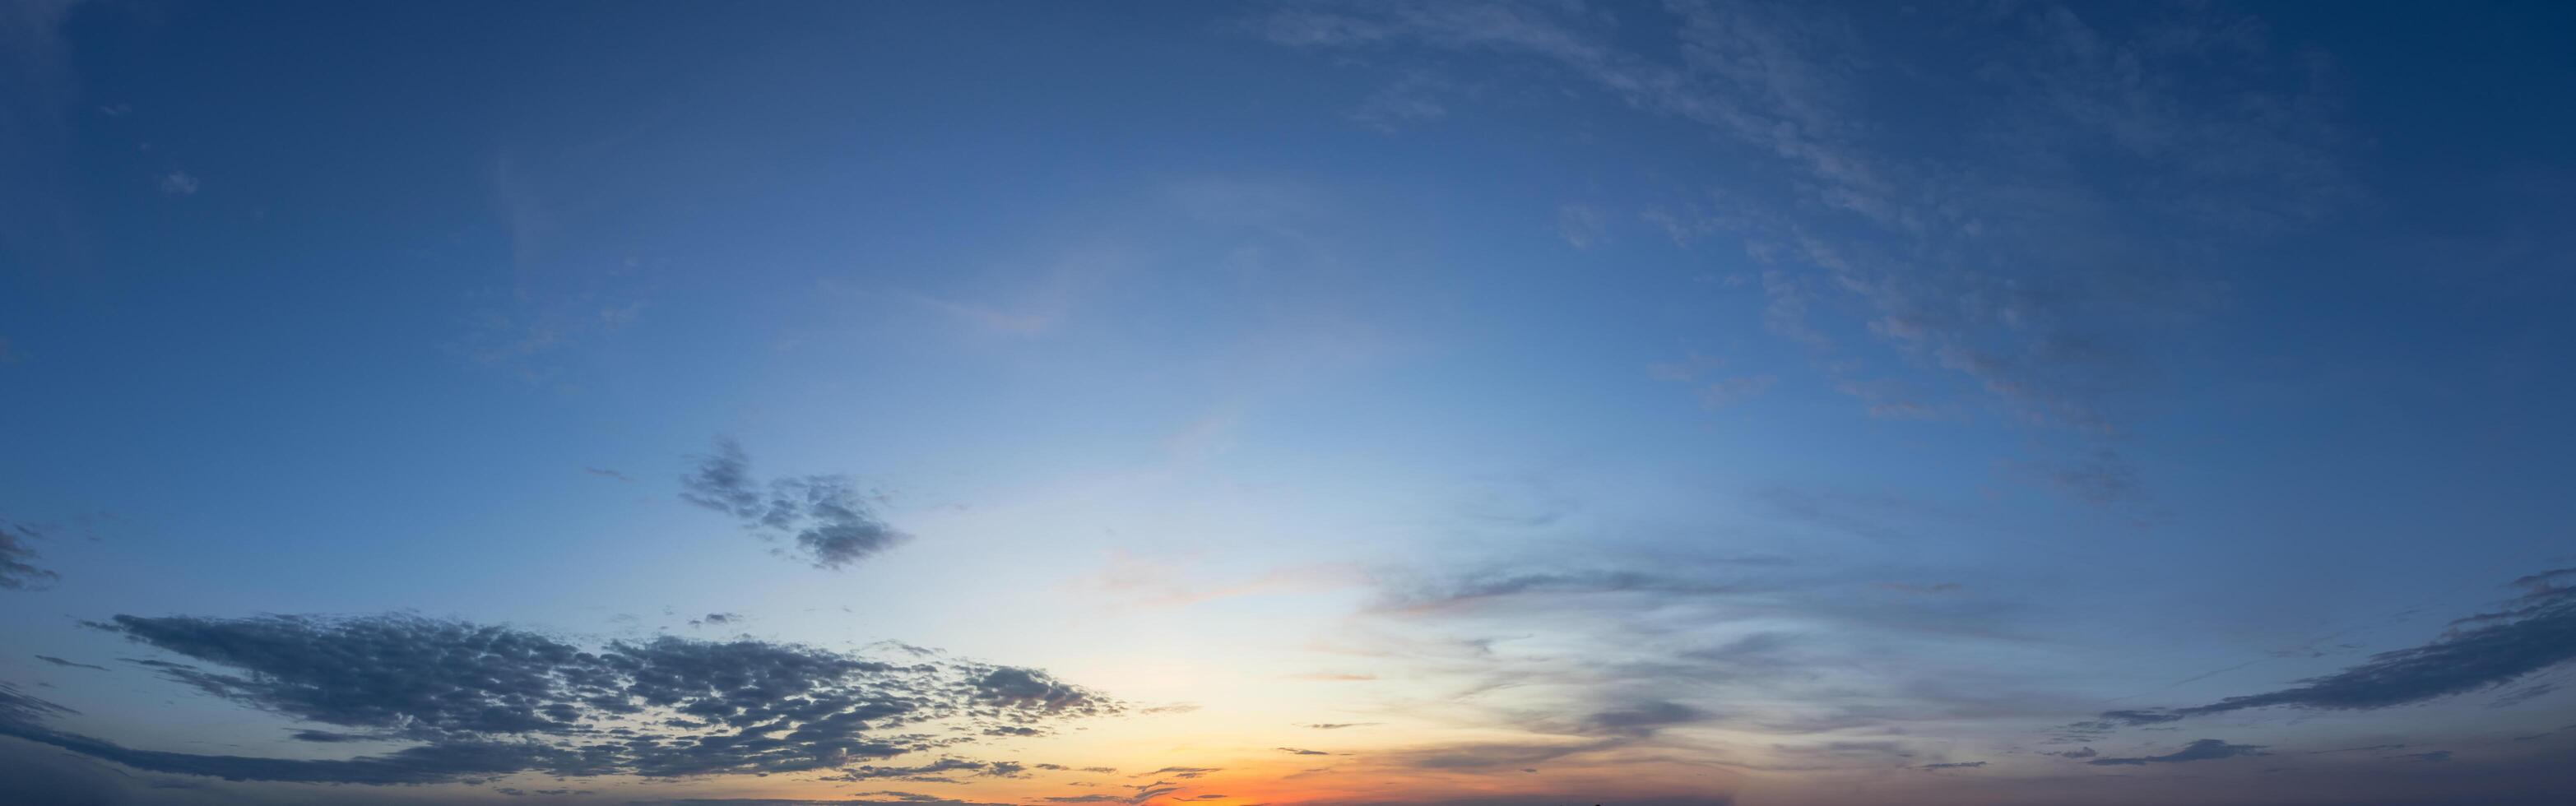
<point x="715" y="620"/>
<point x="830" y="520"/>
<point x="17" y="562"/>
<point x="2532" y="632"/>
<point x="330" y="737"/>
<point x="483" y="701"/>
<point x="2202" y="750"/>
<point x="1953" y="765"/>
<point x="1303" y="752"/>
<point x="60" y="662"/>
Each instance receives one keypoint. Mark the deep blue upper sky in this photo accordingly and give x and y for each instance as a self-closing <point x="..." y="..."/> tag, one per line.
<point x="1766" y="403"/>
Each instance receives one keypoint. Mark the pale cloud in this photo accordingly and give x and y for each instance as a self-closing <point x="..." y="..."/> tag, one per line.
<point x="180" y="183"/>
<point x="1582" y="225"/>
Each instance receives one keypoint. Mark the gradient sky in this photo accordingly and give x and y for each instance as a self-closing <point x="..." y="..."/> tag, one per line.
<point x="1455" y="403"/>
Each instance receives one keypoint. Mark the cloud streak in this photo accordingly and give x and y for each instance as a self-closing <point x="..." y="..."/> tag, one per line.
<point x="2202" y="750"/>
<point x="2531" y="632"/>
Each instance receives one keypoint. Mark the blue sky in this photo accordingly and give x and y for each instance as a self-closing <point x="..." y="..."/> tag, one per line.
<point x="1690" y="403"/>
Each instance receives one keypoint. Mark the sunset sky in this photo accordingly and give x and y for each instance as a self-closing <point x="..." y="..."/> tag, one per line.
<point x="1523" y="404"/>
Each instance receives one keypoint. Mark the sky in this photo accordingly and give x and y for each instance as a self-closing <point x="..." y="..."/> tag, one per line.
<point x="1451" y="403"/>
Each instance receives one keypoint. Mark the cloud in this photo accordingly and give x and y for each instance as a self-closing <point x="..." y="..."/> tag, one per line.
<point x="1338" y="725"/>
<point x="2202" y="750"/>
<point x="1953" y="765"/>
<point x="17" y="562"/>
<point x="933" y="772"/>
<point x="2045" y="237"/>
<point x="1177" y="772"/>
<point x="1302" y="751"/>
<point x="832" y="523"/>
<point x="2532" y="632"/>
<point x="60" y="662"/>
<point x="1582" y="225"/>
<point x="180" y="183"/>
<point x="1643" y="719"/>
<point x="716" y="620"/>
<point x="607" y="473"/>
<point x="481" y="701"/>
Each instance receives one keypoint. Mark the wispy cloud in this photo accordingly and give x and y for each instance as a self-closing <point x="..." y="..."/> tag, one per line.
<point x="17" y="561"/>
<point x="2011" y="271"/>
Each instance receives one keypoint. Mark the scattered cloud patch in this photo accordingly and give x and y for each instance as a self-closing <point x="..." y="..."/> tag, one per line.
<point x="831" y="521"/>
<point x="482" y="701"/>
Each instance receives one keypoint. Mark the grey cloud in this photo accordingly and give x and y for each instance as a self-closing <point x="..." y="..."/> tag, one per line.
<point x="830" y="520"/>
<point x="2202" y="750"/>
<point x="1338" y="725"/>
<point x="485" y="700"/>
<point x="17" y="562"/>
<point x="1302" y="751"/>
<point x="1953" y="765"/>
<point x="2532" y="632"/>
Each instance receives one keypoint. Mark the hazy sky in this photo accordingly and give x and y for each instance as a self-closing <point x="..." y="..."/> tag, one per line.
<point x="1447" y="403"/>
